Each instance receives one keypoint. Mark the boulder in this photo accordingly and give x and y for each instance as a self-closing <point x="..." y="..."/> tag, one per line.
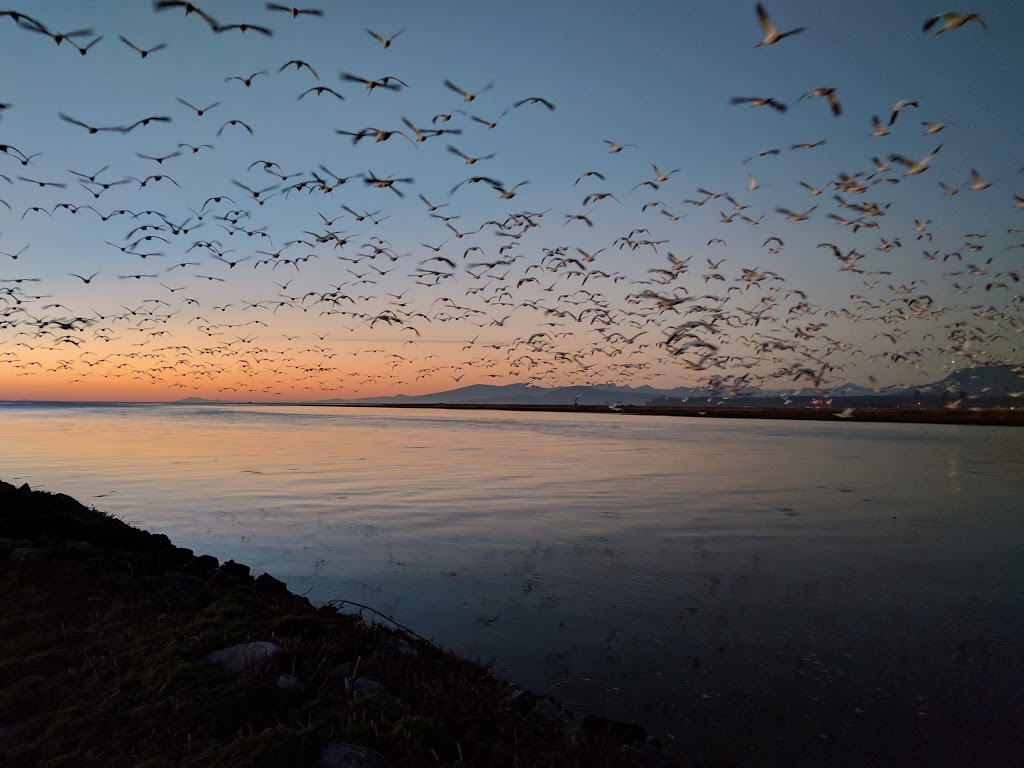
<point x="269" y="585"/>
<point x="290" y="683"/>
<point x="364" y="686"/>
<point x="239" y="658"/>
<point x="30" y="553"/>
<point x="350" y="756"/>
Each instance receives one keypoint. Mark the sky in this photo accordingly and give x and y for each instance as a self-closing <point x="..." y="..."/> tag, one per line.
<point x="688" y="257"/>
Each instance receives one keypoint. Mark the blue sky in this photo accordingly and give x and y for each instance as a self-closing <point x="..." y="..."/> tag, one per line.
<point x="658" y="75"/>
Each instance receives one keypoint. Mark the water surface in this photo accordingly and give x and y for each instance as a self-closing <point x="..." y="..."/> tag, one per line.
<point x="764" y="592"/>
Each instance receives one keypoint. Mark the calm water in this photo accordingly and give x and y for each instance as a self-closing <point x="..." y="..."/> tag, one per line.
<point x="762" y="592"/>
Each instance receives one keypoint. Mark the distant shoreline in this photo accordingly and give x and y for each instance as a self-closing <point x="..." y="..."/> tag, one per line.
<point x="981" y="417"/>
<point x="1001" y="417"/>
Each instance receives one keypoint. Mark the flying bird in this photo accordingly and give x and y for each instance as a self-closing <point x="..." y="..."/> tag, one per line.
<point x="200" y="111"/>
<point x="914" y="168"/>
<point x="759" y="101"/>
<point x="952" y="20"/>
<point x="243" y="28"/>
<point x="466" y="95"/>
<point x="828" y="93"/>
<point x="319" y="90"/>
<point x="85" y="280"/>
<point x="901" y="104"/>
<point x="299" y="64"/>
<point x="534" y="100"/>
<point x="143" y="52"/>
<point x="771" y="34"/>
<point x="234" y="122"/>
<point x="163" y="5"/>
<point x="385" y="41"/>
<point x="246" y="81"/>
<point x="295" y="12"/>
<point x="613" y="148"/>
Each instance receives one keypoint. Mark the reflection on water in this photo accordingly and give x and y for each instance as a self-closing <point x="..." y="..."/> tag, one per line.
<point x="789" y="592"/>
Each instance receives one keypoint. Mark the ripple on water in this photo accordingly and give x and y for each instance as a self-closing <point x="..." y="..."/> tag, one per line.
<point x="606" y="593"/>
<point x="979" y="628"/>
<point x="579" y="691"/>
<point x="652" y="578"/>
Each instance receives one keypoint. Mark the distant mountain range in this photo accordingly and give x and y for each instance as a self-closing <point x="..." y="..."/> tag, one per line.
<point x="997" y="383"/>
<point x="990" y="382"/>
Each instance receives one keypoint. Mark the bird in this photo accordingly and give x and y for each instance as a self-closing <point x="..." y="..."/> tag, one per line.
<point x="85" y="280"/>
<point x="243" y="28"/>
<point x="466" y="95"/>
<point x="469" y="160"/>
<point x="828" y="93"/>
<point x="319" y="90"/>
<point x="246" y="81"/>
<point x="384" y="82"/>
<point x="614" y="148"/>
<point x="878" y="127"/>
<point x="90" y="128"/>
<point x="384" y="41"/>
<point x="661" y="176"/>
<point x="145" y="121"/>
<point x="951" y="20"/>
<point x="759" y="101"/>
<point x="914" y="168"/>
<point x="200" y="111"/>
<point x="902" y="104"/>
<point x="163" y="5"/>
<point x="979" y="183"/>
<point x="771" y="34"/>
<point x="234" y="122"/>
<point x="143" y="52"/>
<point x="534" y="100"/>
<point x="299" y="64"/>
<point x="794" y="216"/>
<point x="295" y="12"/>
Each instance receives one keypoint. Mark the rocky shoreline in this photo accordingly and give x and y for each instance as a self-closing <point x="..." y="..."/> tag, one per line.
<point x="119" y="648"/>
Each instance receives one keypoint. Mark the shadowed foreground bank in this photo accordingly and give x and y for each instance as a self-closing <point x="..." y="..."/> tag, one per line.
<point x="106" y="640"/>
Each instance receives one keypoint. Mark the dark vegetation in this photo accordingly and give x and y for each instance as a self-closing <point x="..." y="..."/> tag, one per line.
<point x="103" y="635"/>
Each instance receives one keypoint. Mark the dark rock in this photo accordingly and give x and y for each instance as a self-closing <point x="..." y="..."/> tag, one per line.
<point x="30" y="553"/>
<point x="239" y="658"/>
<point x="549" y="712"/>
<point x="79" y="548"/>
<point x="119" y="579"/>
<point x="364" y="686"/>
<point x="25" y="489"/>
<point x="647" y="753"/>
<point x="6" y="545"/>
<point x="394" y="646"/>
<point x="180" y="578"/>
<point x="204" y="564"/>
<point x="236" y="570"/>
<point x="343" y="671"/>
<point x="290" y="683"/>
<point x="350" y="756"/>
<point x="621" y="733"/>
<point x="269" y="585"/>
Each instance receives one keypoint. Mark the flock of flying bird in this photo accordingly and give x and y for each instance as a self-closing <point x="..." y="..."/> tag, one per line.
<point x="582" y="314"/>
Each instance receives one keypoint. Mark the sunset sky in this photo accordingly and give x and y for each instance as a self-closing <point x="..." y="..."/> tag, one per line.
<point x="289" y="295"/>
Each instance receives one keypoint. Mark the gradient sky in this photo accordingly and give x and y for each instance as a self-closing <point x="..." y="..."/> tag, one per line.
<point x="660" y="78"/>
